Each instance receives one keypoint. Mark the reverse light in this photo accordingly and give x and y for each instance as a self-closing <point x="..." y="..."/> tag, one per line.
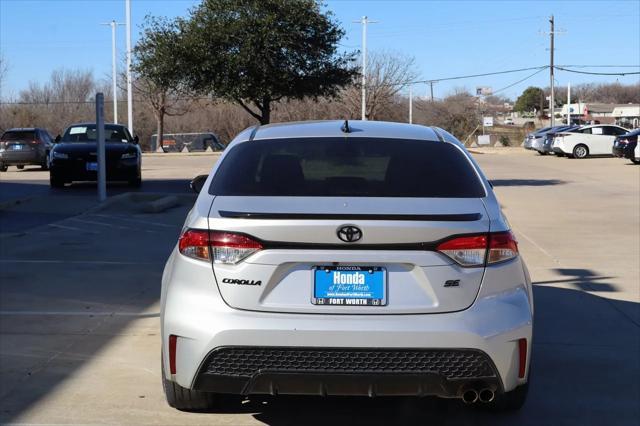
<point x="466" y="251"/>
<point x="218" y="246"/>
<point x="231" y="248"/>
<point x="478" y="250"/>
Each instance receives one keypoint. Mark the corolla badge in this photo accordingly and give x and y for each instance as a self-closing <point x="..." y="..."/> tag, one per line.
<point x="349" y="233"/>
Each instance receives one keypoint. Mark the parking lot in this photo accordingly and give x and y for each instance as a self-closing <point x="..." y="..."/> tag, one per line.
<point x="80" y="286"/>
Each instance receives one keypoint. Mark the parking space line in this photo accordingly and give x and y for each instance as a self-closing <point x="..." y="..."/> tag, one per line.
<point x="78" y="262"/>
<point x="71" y="228"/>
<point x="137" y="221"/>
<point x="111" y="225"/>
<point x="81" y="313"/>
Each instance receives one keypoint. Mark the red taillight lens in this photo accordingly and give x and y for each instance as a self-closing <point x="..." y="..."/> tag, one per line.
<point x="502" y="246"/>
<point x="194" y="243"/>
<point x="522" y="355"/>
<point x="219" y="246"/>
<point x="476" y="250"/>
<point x="173" y="342"/>
<point x="231" y="248"/>
<point x="466" y="251"/>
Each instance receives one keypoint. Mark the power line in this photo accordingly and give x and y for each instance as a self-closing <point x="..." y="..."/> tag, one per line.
<point x="598" y="73"/>
<point x="519" y="81"/>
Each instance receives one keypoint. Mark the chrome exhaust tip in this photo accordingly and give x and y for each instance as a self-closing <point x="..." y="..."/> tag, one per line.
<point x="470" y="396"/>
<point x="486" y="395"/>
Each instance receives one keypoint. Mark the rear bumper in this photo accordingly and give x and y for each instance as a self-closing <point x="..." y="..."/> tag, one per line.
<point x="70" y="170"/>
<point x="345" y="371"/>
<point x="193" y="310"/>
<point x="22" y="157"/>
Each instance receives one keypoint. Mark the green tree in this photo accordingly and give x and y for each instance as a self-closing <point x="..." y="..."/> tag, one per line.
<point x="532" y="97"/>
<point x="157" y="70"/>
<point x="257" y="52"/>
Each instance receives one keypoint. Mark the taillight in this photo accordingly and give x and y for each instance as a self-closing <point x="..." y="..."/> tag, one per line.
<point x="478" y="250"/>
<point x="466" y="251"/>
<point x="194" y="243"/>
<point x="502" y="246"/>
<point x="33" y="142"/>
<point x="219" y="246"/>
<point x="231" y="248"/>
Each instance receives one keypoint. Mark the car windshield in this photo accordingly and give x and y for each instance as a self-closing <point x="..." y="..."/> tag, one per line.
<point x="88" y="133"/>
<point x="18" y="135"/>
<point x="360" y="167"/>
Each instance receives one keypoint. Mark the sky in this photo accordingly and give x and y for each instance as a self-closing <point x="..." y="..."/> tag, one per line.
<point x="446" y="38"/>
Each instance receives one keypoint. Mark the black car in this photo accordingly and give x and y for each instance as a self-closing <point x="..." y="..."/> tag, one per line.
<point x="547" y="143"/>
<point x="74" y="155"/>
<point x="624" y="145"/>
<point x="25" y="146"/>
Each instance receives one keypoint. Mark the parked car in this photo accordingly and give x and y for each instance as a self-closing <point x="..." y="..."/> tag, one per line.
<point x="626" y="146"/>
<point x="529" y="139"/>
<point x="23" y="147"/>
<point x="193" y="142"/>
<point x="539" y="138"/>
<point x="74" y="156"/>
<point x="547" y="144"/>
<point x="588" y="140"/>
<point x="346" y="258"/>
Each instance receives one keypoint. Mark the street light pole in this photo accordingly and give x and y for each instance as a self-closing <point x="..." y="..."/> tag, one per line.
<point x="364" y="21"/>
<point x="129" y="85"/>
<point x="114" y="68"/>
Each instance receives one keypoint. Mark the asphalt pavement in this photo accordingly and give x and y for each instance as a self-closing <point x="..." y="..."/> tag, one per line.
<point x="79" y="305"/>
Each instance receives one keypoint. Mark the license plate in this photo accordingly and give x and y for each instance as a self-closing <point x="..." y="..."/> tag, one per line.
<point x="17" y="147"/>
<point x="92" y="167"/>
<point x="349" y="285"/>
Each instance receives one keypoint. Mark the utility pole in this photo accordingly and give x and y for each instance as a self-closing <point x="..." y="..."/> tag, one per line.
<point x="113" y="24"/>
<point x="364" y="21"/>
<point x="410" y="106"/>
<point x="551" y="69"/>
<point x="569" y="104"/>
<point x="129" y="85"/>
<point x="431" y="85"/>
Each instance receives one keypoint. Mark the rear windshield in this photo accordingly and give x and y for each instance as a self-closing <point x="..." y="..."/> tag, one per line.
<point x="88" y="133"/>
<point x="359" y="167"/>
<point x="19" y="136"/>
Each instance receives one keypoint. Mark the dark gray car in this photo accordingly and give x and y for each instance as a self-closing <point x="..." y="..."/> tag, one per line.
<point x="25" y="146"/>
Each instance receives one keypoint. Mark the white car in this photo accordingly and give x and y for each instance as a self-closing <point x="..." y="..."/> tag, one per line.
<point x="346" y="258"/>
<point x="595" y="139"/>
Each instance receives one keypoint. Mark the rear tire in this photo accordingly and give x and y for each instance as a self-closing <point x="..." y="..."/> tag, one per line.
<point x="510" y="401"/>
<point x="3" y="168"/>
<point x="542" y="153"/>
<point x="135" y="182"/>
<point x="20" y="167"/>
<point x="45" y="163"/>
<point x="55" y="181"/>
<point x="634" y="161"/>
<point x="580" y="151"/>
<point x="186" y="399"/>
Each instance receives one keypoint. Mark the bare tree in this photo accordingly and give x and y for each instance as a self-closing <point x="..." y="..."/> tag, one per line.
<point x="4" y="69"/>
<point x="164" y="102"/>
<point x="387" y="74"/>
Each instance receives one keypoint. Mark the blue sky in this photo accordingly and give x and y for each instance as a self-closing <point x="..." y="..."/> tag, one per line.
<point x="446" y="38"/>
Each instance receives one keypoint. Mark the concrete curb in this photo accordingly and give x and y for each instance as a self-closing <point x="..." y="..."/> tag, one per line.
<point x="14" y="202"/>
<point x="161" y="204"/>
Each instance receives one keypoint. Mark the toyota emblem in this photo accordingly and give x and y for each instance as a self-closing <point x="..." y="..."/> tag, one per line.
<point x="349" y="233"/>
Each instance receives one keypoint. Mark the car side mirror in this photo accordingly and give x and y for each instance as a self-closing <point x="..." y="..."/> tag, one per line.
<point x="197" y="183"/>
<point x="136" y="140"/>
<point x="57" y="139"/>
